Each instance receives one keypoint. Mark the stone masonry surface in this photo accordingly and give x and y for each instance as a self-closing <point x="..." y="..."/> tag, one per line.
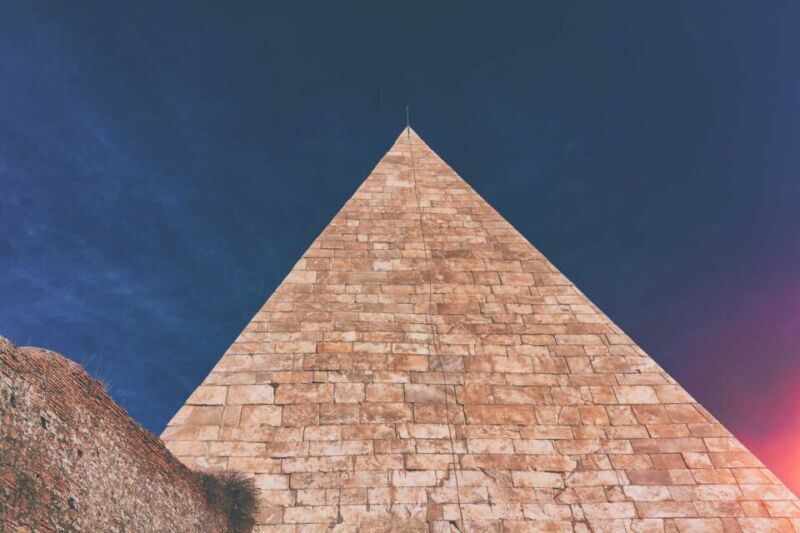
<point x="73" y="460"/>
<point x="424" y="368"/>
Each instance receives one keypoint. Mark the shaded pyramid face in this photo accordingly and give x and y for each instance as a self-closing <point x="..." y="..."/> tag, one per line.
<point x="424" y="367"/>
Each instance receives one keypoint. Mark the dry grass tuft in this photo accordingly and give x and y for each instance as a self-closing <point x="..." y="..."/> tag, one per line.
<point x="234" y="495"/>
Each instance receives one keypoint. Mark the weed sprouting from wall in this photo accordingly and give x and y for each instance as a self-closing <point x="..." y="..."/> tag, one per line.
<point x="234" y="495"/>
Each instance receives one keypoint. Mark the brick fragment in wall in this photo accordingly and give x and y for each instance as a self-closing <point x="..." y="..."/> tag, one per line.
<point x="424" y="367"/>
<point x="73" y="460"/>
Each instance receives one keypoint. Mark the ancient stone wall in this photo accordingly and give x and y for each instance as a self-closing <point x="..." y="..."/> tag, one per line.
<point x="73" y="460"/>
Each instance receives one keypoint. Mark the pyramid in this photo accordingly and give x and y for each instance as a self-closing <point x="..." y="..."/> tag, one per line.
<point x="424" y="368"/>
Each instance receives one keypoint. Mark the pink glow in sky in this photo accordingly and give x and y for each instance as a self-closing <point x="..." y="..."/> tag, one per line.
<point x="751" y="382"/>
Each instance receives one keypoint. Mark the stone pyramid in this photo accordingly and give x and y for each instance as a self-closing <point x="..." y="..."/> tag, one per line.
<point x="424" y="368"/>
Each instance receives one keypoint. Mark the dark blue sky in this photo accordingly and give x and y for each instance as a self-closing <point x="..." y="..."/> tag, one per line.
<point x="163" y="166"/>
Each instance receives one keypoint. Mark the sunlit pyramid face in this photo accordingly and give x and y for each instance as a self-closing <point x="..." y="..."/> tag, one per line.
<point x="424" y="367"/>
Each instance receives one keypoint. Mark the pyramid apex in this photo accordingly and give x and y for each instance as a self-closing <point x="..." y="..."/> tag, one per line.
<point x="404" y="133"/>
<point x="407" y="131"/>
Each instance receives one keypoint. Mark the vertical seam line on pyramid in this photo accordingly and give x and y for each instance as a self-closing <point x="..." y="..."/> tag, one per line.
<point x="434" y="333"/>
